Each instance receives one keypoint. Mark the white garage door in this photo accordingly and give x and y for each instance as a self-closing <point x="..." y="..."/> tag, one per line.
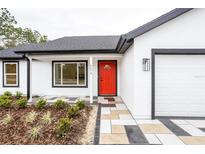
<point x="180" y="85"/>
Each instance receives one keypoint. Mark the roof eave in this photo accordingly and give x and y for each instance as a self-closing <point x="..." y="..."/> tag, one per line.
<point x="67" y="51"/>
<point x="11" y="58"/>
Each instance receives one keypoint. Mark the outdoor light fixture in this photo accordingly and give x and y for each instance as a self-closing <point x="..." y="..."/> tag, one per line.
<point x="146" y="64"/>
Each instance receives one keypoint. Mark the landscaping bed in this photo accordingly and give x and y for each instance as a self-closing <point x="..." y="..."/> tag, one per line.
<point x="18" y="127"/>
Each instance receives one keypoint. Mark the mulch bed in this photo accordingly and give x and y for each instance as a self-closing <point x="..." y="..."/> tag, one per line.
<point x="17" y="131"/>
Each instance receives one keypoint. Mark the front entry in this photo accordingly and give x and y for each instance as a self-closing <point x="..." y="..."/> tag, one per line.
<point x="107" y="77"/>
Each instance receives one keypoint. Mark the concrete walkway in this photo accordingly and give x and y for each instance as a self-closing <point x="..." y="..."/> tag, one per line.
<point x="116" y="126"/>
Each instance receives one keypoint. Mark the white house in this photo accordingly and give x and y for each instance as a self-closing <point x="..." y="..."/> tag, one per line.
<point x="158" y="69"/>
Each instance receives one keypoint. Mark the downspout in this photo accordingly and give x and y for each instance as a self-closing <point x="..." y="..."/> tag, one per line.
<point x="28" y="77"/>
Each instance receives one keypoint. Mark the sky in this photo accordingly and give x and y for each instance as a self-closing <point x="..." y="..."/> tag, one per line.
<point x="60" y="22"/>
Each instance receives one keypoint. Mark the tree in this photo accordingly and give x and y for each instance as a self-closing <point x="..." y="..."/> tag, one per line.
<point x="11" y="35"/>
<point x="6" y="24"/>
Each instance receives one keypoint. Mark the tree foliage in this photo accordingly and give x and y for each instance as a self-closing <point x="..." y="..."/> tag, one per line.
<point x="11" y="35"/>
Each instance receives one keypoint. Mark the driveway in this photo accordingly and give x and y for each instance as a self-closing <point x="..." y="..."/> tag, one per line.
<point x="115" y="125"/>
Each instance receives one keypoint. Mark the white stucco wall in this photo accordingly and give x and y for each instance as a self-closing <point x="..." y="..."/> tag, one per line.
<point x="127" y="79"/>
<point x="185" y="31"/>
<point x="42" y="75"/>
<point x="42" y="81"/>
<point x="22" y="78"/>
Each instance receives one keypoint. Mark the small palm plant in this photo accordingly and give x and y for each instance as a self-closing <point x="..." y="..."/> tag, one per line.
<point x="80" y="103"/>
<point x="63" y="126"/>
<point x="7" y="93"/>
<point x="60" y="104"/>
<point x="35" y="132"/>
<point x="73" y="111"/>
<point x="31" y="116"/>
<point x="41" y="103"/>
<point x="46" y="119"/>
<point x="18" y="94"/>
<point x="7" y="119"/>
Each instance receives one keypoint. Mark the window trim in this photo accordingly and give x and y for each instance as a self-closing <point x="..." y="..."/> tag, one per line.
<point x="4" y="74"/>
<point x="70" y="86"/>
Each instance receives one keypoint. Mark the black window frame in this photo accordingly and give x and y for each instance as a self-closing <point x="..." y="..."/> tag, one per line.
<point x="3" y="74"/>
<point x="70" y="86"/>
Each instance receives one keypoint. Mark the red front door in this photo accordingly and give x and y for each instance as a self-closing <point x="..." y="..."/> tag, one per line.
<point x="107" y="79"/>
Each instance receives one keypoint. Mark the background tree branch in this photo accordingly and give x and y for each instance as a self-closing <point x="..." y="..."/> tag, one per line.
<point x="11" y="35"/>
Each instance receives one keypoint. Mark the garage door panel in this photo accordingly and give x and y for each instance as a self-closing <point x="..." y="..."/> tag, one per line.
<point x="180" y="114"/>
<point x="180" y="85"/>
<point x="179" y="110"/>
<point x="180" y="93"/>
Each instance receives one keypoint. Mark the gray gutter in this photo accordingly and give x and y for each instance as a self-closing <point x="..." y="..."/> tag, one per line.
<point x="11" y="58"/>
<point x="66" y="51"/>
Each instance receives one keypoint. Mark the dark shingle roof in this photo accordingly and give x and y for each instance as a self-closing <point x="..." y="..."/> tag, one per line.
<point x="75" y="44"/>
<point x="9" y="54"/>
<point x="92" y="44"/>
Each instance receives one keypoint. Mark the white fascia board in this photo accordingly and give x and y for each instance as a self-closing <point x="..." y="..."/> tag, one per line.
<point x="77" y="56"/>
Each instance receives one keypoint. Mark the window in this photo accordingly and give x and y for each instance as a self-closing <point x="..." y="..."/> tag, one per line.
<point x="70" y="74"/>
<point x="10" y="77"/>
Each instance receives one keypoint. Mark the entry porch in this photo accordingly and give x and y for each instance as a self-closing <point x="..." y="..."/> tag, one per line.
<point x="73" y="76"/>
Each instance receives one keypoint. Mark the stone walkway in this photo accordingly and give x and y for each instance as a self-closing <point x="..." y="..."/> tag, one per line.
<point x="115" y="125"/>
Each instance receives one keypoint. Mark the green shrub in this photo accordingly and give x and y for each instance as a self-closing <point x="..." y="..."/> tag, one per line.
<point x="73" y="111"/>
<point x="63" y="126"/>
<point x="46" y="119"/>
<point x="41" y="103"/>
<point x="18" y="94"/>
<point x="35" y="132"/>
<point x="80" y="103"/>
<point x="5" y="97"/>
<point x="7" y="93"/>
<point x="22" y="103"/>
<point x="7" y="119"/>
<point x="31" y="116"/>
<point x="5" y="101"/>
<point x="59" y="104"/>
